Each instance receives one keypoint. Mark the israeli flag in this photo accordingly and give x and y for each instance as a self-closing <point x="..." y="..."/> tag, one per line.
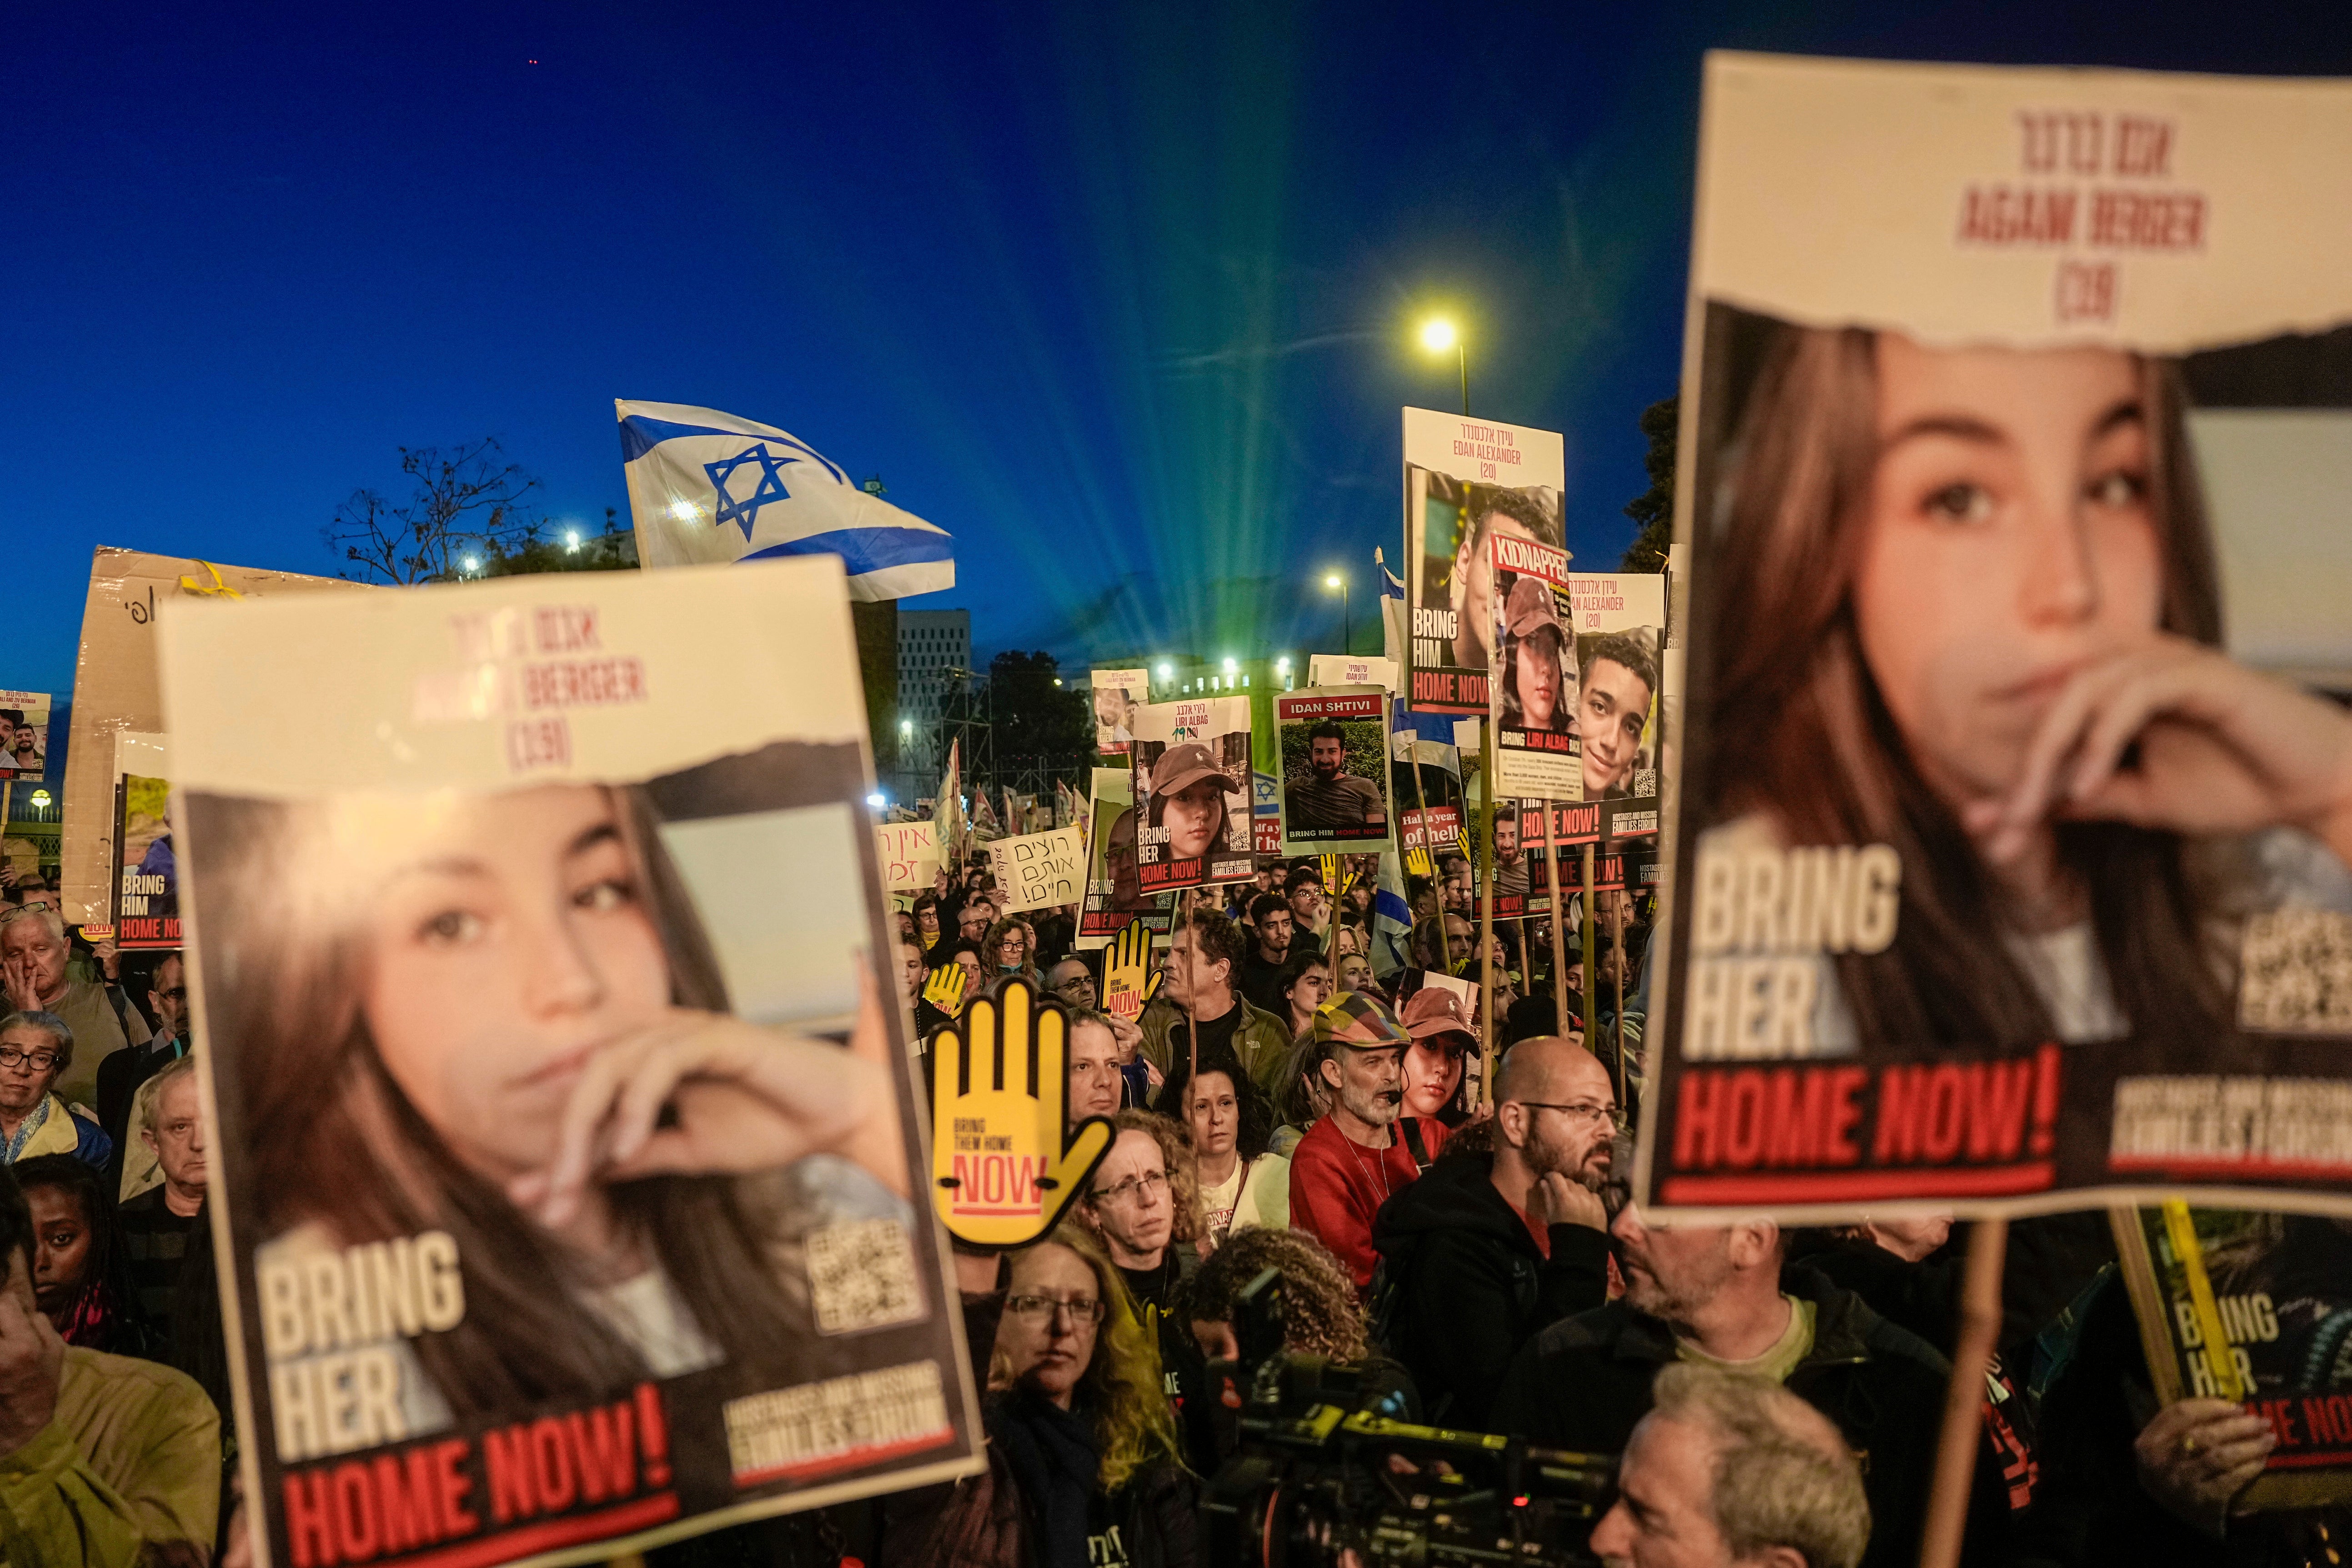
<point x="706" y="486"/>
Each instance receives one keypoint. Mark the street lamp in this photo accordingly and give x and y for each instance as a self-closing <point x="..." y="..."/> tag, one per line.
<point x="1347" y="626"/>
<point x="1437" y="335"/>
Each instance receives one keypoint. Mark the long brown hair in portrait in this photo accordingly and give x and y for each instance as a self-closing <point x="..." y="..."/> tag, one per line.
<point x="1798" y="730"/>
<point x="330" y="1138"/>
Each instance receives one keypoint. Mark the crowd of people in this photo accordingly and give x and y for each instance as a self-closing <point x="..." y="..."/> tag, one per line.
<point x="1301" y="1092"/>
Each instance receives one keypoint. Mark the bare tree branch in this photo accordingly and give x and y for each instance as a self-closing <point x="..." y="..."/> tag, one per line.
<point x="464" y="501"/>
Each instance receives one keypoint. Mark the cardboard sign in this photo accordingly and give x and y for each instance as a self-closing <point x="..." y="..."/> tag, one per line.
<point x="1040" y="870"/>
<point x="910" y="853"/>
<point x="1467" y="480"/>
<point x="412" y="765"/>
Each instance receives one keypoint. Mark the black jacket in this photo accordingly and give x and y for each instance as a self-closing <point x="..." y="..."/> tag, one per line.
<point x="1471" y="1287"/>
<point x="1583" y="1384"/>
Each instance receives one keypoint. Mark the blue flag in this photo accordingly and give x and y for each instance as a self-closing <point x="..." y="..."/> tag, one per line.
<point x="706" y="486"/>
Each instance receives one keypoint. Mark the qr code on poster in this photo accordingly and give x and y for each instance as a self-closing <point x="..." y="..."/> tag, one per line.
<point x="1645" y="782"/>
<point x="2296" y="973"/>
<point x="862" y="1275"/>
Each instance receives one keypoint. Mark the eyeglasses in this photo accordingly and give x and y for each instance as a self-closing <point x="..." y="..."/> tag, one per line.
<point x="1044" y="1309"/>
<point x="1584" y="1111"/>
<point x="1132" y="1189"/>
<point x="40" y="1061"/>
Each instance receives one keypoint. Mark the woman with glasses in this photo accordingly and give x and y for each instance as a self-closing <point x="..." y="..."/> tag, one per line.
<point x="35" y="1049"/>
<point x="1083" y="1461"/>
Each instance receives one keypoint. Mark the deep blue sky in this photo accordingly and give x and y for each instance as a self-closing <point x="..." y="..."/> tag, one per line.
<point x="1116" y="293"/>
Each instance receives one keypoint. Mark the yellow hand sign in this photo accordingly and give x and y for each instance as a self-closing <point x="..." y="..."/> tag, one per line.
<point x="1417" y="862"/>
<point x="1329" y="869"/>
<point x="1129" y="977"/>
<point x="1002" y="1169"/>
<point x="943" y="988"/>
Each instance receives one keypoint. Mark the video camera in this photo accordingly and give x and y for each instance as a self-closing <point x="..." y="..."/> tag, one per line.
<point x="1308" y="1475"/>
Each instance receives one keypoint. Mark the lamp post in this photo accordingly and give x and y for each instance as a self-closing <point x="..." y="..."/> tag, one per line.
<point x="1347" y="625"/>
<point x="1437" y="335"/>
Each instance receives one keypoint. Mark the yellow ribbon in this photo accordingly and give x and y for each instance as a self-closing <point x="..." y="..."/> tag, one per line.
<point x="219" y="589"/>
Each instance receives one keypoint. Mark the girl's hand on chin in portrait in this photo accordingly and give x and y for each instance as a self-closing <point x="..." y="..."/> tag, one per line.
<point x="743" y="1098"/>
<point x="2213" y="747"/>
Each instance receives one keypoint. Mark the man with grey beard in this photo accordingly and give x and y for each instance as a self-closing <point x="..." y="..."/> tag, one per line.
<point x="1488" y="1250"/>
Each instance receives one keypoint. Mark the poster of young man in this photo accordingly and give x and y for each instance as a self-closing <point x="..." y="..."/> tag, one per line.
<point x="1620" y="695"/>
<point x="567" y="1177"/>
<point x="1467" y="480"/>
<point x="23" y="735"/>
<point x="1534" y="690"/>
<point x="1335" y="773"/>
<point x="1191" y="781"/>
<point x="1117" y="694"/>
<point x="147" y="881"/>
<point x="1114" y="893"/>
<point x="116" y="690"/>
<point x="2002" y="881"/>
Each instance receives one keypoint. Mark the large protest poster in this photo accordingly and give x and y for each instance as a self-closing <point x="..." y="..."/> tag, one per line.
<point x="1117" y="694"/>
<point x="1425" y="782"/>
<point x="1467" y="480"/>
<point x="147" y="874"/>
<point x="1114" y="894"/>
<point x="512" y="869"/>
<point x="1534" y="695"/>
<point x="23" y="735"/>
<point x="1621" y="692"/>
<point x="1191" y="768"/>
<point x="1335" y="769"/>
<point x="1971" y="904"/>
<point x="116" y="689"/>
<point x="1040" y="870"/>
<point x="2274" y="1292"/>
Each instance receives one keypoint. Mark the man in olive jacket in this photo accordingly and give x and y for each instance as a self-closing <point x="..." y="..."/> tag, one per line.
<point x="1719" y="1296"/>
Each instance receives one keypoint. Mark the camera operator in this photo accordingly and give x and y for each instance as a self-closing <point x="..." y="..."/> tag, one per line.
<point x="1083" y="1467"/>
<point x="1728" y="1470"/>
<point x="1486" y="1251"/>
<point x="1719" y="1296"/>
<point x="1320" y="1316"/>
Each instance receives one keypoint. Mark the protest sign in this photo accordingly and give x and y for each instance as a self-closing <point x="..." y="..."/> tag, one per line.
<point x="909" y="854"/>
<point x="1351" y="670"/>
<point x="1425" y="782"/>
<point x="1191" y="768"/>
<point x="1467" y="480"/>
<point x="1004" y="1162"/>
<point x="1958" y="914"/>
<point x="1265" y="812"/>
<point x="2251" y="1308"/>
<point x="24" y="736"/>
<point x="147" y="877"/>
<point x="750" y="1314"/>
<point x="1114" y="894"/>
<point x="1619" y="693"/>
<point x="1534" y="696"/>
<point x="1117" y="694"/>
<point x="1335" y="769"/>
<point x="115" y="689"/>
<point x="1040" y="870"/>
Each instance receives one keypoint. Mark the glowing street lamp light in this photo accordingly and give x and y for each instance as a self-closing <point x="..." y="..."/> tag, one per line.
<point x="1347" y="627"/>
<point x="1165" y="671"/>
<point x="1438" y="334"/>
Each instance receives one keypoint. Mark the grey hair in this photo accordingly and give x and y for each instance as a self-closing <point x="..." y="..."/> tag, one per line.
<point x="57" y="1028"/>
<point x="177" y="1066"/>
<point x="50" y="921"/>
<point x="1783" y="1476"/>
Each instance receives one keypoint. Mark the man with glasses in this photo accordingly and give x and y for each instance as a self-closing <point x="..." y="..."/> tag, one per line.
<point x="120" y="1074"/>
<point x="1486" y="1251"/>
<point x="35" y="975"/>
<point x="36" y="1050"/>
<point x="1726" y="1296"/>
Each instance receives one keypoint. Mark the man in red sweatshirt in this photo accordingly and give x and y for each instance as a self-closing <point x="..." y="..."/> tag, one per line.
<point x="1362" y="1154"/>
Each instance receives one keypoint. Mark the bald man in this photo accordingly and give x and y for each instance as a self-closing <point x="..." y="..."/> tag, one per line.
<point x="1489" y="1249"/>
<point x="1728" y="1470"/>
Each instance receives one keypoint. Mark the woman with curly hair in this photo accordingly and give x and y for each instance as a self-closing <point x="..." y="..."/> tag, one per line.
<point x="1230" y="1123"/>
<point x="1009" y="952"/>
<point x="1320" y="1313"/>
<point x="1083" y="1461"/>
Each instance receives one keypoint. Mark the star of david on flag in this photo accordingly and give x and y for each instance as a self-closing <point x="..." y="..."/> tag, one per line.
<point x="706" y="486"/>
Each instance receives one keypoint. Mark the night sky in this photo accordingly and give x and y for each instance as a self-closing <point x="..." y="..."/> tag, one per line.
<point x="1117" y="294"/>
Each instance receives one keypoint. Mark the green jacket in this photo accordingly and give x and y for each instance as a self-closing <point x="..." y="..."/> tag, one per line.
<point x="131" y="1459"/>
<point x="1262" y="1040"/>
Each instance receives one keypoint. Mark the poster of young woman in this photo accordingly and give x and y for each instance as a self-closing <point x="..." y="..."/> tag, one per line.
<point x="2001" y="881"/>
<point x="1335" y="769"/>
<point x="1191" y="783"/>
<point x="567" y="1175"/>
<point x="1465" y="481"/>
<point x="1534" y="692"/>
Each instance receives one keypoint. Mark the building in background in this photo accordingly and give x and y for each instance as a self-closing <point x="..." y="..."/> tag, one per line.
<point x="934" y="660"/>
